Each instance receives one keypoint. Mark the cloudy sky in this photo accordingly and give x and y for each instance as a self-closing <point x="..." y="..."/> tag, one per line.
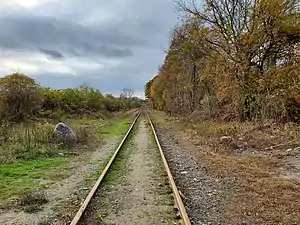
<point x="109" y="44"/>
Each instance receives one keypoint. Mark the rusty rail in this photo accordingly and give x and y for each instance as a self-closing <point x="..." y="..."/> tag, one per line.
<point x="86" y="202"/>
<point x="182" y="211"/>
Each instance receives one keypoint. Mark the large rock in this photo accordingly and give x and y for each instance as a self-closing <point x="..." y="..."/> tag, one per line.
<point x="64" y="133"/>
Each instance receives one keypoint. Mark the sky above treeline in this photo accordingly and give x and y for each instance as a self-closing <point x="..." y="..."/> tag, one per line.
<point x="109" y="45"/>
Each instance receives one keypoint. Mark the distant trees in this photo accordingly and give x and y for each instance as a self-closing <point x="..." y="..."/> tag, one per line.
<point x="127" y="96"/>
<point x="239" y="57"/>
<point x="21" y="98"/>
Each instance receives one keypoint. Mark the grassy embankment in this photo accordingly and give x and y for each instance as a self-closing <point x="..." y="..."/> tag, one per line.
<point x="31" y="160"/>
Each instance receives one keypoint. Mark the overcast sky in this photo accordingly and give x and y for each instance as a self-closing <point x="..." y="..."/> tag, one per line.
<point x="109" y="44"/>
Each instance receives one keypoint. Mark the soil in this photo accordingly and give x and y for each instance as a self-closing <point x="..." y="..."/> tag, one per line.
<point x="62" y="190"/>
<point x="135" y="191"/>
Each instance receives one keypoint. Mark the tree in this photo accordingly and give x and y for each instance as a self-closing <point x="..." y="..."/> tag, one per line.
<point x="253" y="37"/>
<point x="20" y="97"/>
<point x="147" y="89"/>
<point x="127" y="93"/>
<point x="231" y="56"/>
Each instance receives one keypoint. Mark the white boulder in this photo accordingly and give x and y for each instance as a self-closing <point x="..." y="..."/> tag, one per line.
<point x="63" y="133"/>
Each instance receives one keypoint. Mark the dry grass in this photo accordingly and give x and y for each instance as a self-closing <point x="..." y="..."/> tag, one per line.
<point x="261" y="196"/>
<point x="265" y="201"/>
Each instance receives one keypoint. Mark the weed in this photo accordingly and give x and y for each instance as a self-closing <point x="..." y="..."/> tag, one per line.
<point x="32" y="202"/>
<point x="32" y="208"/>
<point x="33" y="199"/>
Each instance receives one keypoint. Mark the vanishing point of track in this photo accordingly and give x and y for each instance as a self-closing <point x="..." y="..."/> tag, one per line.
<point x="177" y="198"/>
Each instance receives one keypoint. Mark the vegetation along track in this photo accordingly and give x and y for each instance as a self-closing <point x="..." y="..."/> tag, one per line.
<point x="133" y="184"/>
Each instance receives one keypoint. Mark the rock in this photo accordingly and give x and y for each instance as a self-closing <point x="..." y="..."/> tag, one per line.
<point x="64" y="133"/>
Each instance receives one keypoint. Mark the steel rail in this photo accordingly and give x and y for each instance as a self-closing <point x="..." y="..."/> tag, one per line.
<point x="182" y="211"/>
<point x="86" y="202"/>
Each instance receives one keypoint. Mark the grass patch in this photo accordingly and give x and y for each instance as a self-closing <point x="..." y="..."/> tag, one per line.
<point x="117" y="129"/>
<point x="121" y="165"/>
<point x="101" y="129"/>
<point x="26" y="141"/>
<point x="20" y="177"/>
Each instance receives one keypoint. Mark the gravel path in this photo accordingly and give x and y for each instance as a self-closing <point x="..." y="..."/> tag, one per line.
<point x="134" y="192"/>
<point x="203" y="190"/>
<point x="62" y="190"/>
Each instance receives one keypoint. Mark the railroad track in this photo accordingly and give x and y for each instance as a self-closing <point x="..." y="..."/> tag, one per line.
<point x="177" y="198"/>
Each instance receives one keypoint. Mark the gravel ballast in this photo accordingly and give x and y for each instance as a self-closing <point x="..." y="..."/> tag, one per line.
<point x="203" y="191"/>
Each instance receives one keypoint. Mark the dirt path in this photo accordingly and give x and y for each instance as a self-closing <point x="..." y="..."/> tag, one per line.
<point x="135" y="191"/>
<point x="62" y="190"/>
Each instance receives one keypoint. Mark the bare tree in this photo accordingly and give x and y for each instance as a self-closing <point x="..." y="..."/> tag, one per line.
<point x="127" y="93"/>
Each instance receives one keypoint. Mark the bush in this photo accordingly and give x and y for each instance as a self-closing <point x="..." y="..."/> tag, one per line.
<point x="20" y="97"/>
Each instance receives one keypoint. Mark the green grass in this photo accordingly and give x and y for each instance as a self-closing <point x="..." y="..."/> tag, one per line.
<point x="33" y="208"/>
<point x="102" y="129"/>
<point x="117" y="129"/>
<point x="20" y="177"/>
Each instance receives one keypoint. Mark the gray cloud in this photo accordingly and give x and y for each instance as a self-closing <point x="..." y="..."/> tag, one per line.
<point x="127" y="38"/>
<point x="52" y="54"/>
<point x="31" y="32"/>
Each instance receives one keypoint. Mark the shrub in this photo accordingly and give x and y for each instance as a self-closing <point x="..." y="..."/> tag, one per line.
<point x="20" y="97"/>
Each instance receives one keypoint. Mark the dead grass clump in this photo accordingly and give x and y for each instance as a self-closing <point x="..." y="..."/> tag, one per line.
<point x="33" y="198"/>
<point x="85" y="137"/>
<point x="32" y="202"/>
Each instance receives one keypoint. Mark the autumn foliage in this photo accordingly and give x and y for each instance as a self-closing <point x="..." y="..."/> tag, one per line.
<point x="232" y="57"/>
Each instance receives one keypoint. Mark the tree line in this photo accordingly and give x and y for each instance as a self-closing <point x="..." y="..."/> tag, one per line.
<point x="235" y="59"/>
<point x="21" y="98"/>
